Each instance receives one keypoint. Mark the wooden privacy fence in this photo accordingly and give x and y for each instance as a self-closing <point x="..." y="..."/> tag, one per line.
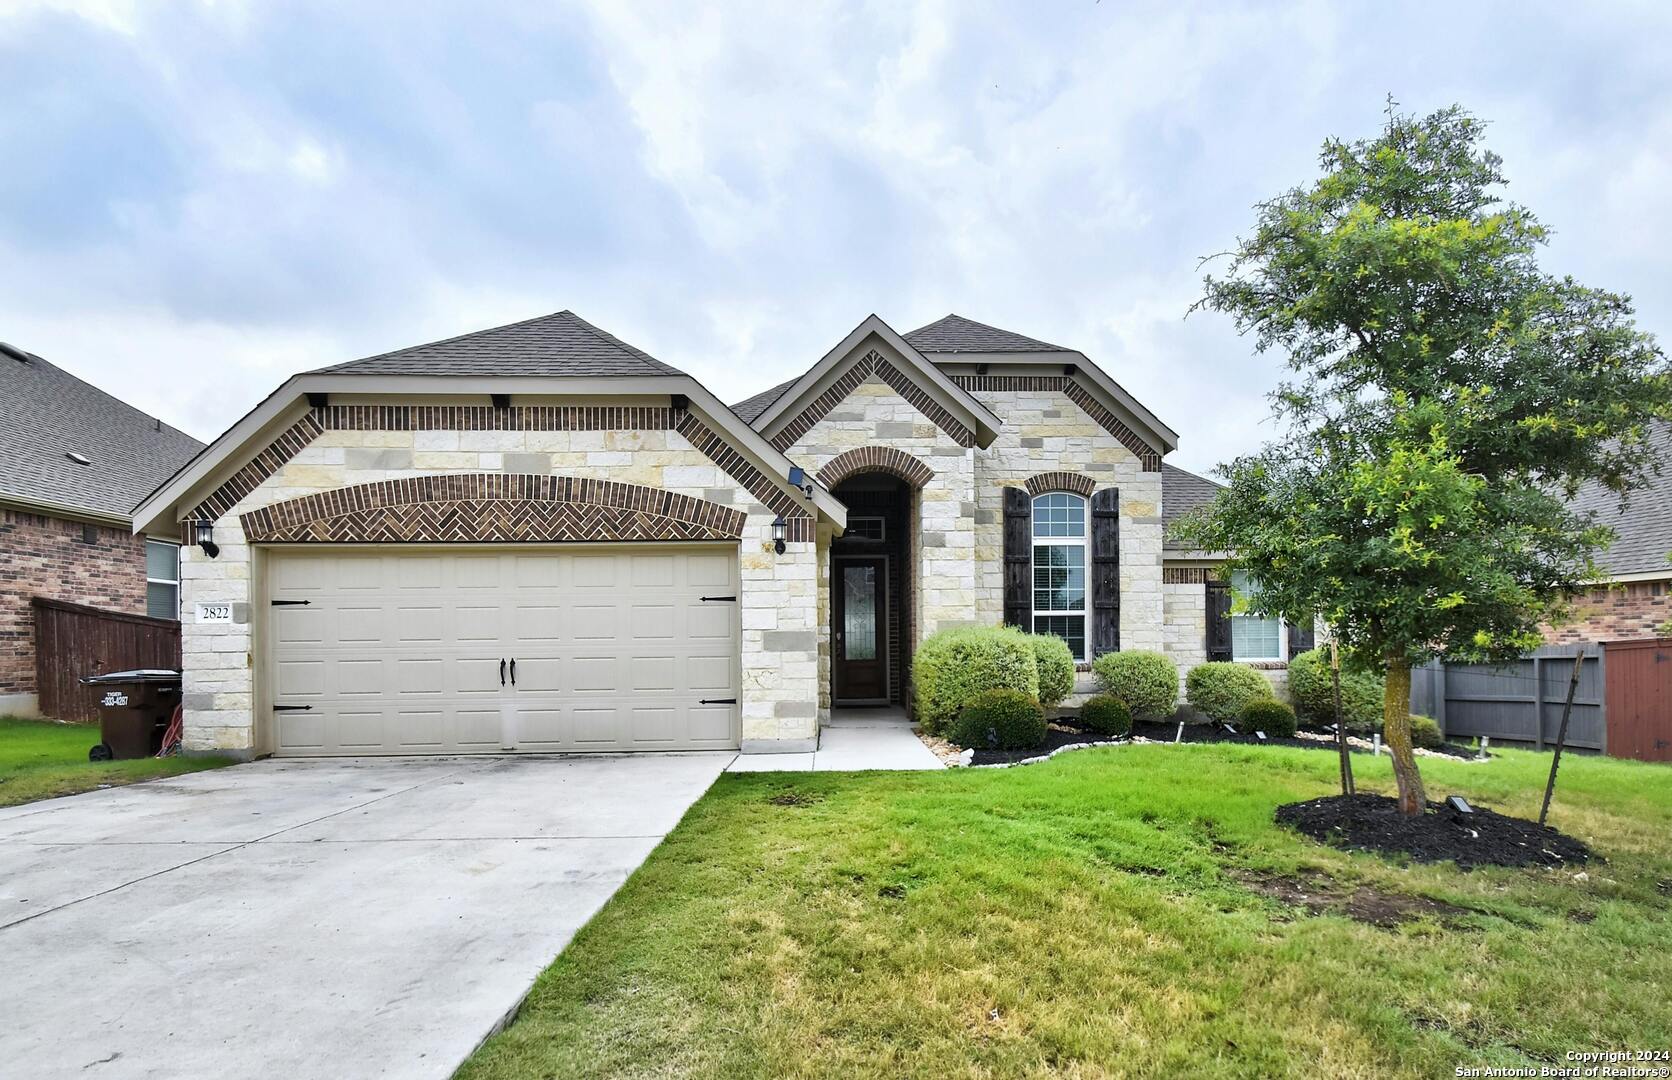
<point x="1622" y="705"/>
<point x="73" y="641"/>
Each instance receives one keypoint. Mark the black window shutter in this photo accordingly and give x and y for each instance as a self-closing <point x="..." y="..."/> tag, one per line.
<point x="1018" y="558"/>
<point x="1300" y="637"/>
<point x="1105" y="571"/>
<point x="1219" y="620"/>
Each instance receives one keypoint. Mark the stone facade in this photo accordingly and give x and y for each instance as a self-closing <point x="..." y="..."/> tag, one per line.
<point x="58" y="559"/>
<point x="778" y="599"/>
<point x="1185" y="625"/>
<point x="1616" y="612"/>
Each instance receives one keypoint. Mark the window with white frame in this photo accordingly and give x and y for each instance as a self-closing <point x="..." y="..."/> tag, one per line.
<point x="1059" y="569"/>
<point x="1254" y="637"/>
<point x="162" y="579"/>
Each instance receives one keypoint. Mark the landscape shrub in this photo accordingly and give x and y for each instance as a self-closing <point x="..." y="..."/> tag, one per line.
<point x="1425" y="732"/>
<point x="1147" y="681"/>
<point x="1107" y="715"/>
<point x="1056" y="668"/>
<point x="1002" y="720"/>
<point x="952" y="666"/>
<point x="1271" y="716"/>
<point x="1313" y="694"/>
<point x="1219" y="690"/>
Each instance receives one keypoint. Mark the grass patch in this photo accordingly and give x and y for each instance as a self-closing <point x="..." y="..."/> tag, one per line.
<point x="40" y="759"/>
<point x="1094" y="916"/>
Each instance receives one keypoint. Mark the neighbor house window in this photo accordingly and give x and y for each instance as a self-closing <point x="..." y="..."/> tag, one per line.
<point x="1254" y="637"/>
<point x="162" y="579"/>
<point x="1059" y="569"/>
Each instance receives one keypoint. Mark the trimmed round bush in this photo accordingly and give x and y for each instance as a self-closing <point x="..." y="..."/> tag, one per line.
<point x="952" y="666"/>
<point x="1000" y="719"/>
<point x="1055" y="662"/>
<point x="1219" y="690"/>
<point x="1147" y="681"/>
<point x="1314" y="695"/>
<point x="1106" y="715"/>
<point x="1425" y="732"/>
<point x="1271" y="716"/>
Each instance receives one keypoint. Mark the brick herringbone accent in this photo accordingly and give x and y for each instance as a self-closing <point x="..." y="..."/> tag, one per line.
<point x="259" y="468"/>
<point x="897" y="380"/>
<point x="479" y="507"/>
<point x="1185" y="575"/>
<point x="884" y="459"/>
<point x="1076" y="483"/>
<point x="798" y="520"/>
<point x="1149" y="459"/>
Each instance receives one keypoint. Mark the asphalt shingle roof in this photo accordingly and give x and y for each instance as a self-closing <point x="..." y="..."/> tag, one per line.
<point x="750" y="409"/>
<point x="955" y="334"/>
<point x="561" y="344"/>
<point x="50" y="414"/>
<point x="1644" y="530"/>
<point x="1182" y="491"/>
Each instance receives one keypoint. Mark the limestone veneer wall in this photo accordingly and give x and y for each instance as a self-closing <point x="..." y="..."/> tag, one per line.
<point x="778" y="597"/>
<point x="1046" y="432"/>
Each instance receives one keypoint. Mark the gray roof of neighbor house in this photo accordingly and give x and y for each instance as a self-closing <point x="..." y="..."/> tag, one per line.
<point x="1182" y="491"/>
<point x="560" y="344"/>
<point x="1643" y="531"/>
<point x="955" y="334"/>
<point x="50" y="414"/>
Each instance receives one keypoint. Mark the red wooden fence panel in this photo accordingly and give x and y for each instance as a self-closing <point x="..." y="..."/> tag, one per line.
<point x="1639" y="698"/>
<point x="73" y="641"/>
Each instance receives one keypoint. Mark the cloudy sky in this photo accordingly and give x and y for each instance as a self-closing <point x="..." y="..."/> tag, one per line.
<point x="198" y="199"/>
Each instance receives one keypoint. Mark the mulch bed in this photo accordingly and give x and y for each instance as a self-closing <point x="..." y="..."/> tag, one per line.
<point x="1059" y="734"/>
<point x="1373" y="823"/>
<point x="1067" y="731"/>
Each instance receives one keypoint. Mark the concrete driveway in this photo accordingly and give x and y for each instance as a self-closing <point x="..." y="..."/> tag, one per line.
<point x="310" y="919"/>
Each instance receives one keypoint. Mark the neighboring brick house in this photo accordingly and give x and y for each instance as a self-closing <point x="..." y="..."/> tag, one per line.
<point x="540" y="538"/>
<point x="73" y="463"/>
<point x="1636" y="596"/>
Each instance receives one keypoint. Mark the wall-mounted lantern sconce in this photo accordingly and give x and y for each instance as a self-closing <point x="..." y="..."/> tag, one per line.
<point x="778" y="534"/>
<point x="204" y="534"/>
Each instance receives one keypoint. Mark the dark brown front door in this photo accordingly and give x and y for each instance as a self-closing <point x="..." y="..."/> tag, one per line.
<point x="859" y="660"/>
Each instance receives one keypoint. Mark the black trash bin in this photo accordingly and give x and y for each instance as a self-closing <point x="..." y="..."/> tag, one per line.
<point x="134" y="710"/>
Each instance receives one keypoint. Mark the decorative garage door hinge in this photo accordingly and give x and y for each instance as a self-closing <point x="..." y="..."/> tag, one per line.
<point x="291" y="603"/>
<point x="717" y="701"/>
<point x="711" y="599"/>
<point x="292" y="708"/>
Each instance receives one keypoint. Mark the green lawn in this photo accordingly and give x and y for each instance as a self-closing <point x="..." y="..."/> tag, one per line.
<point x="1089" y="917"/>
<point x="40" y="760"/>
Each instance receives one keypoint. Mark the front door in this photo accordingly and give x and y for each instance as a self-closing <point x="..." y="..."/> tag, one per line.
<point x="859" y="660"/>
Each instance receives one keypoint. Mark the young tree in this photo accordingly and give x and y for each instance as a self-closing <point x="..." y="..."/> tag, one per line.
<point x="1447" y="396"/>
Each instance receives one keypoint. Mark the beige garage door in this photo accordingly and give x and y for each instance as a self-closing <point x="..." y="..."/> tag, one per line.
<point x="483" y="651"/>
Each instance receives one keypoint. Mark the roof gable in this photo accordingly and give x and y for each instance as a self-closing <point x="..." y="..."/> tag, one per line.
<point x="955" y="334"/>
<point x="556" y="345"/>
<point x="50" y="414"/>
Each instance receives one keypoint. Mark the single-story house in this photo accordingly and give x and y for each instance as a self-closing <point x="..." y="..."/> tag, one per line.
<point x="540" y="538"/>
<point x="73" y="462"/>
<point x="1634" y="596"/>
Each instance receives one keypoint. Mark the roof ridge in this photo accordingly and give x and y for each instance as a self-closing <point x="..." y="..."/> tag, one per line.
<point x="606" y="337"/>
<point x="450" y="340"/>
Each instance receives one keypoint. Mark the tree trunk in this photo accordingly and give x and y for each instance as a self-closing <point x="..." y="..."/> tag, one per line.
<point x="1396" y="729"/>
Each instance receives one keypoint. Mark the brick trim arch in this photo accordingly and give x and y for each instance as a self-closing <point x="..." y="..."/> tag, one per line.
<point x="871" y="363"/>
<point x="1075" y="483"/>
<point x="491" y="507"/>
<point x="883" y="459"/>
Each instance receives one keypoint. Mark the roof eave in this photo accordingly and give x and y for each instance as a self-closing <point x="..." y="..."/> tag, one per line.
<point x="66" y="511"/>
<point x="159" y="508"/>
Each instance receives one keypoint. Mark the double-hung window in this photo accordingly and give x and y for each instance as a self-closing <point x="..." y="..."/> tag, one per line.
<point x="1254" y="637"/>
<point x="162" y="579"/>
<point x="1059" y="569"/>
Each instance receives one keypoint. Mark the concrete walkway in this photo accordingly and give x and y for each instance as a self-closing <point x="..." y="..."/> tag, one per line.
<point x="854" y="740"/>
<point x="347" y="918"/>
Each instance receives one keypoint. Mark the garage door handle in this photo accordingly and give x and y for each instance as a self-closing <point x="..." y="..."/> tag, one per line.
<point x="712" y="599"/>
<point x="292" y="708"/>
<point x="513" y="671"/>
<point x="502" y="671"/>
<point x="717" y="701"/>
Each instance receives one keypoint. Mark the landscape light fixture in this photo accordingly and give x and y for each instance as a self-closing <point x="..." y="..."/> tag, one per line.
<point x="1459" y="805"/>
<point x="778" y="534"/>
<point x="204" y="533"/>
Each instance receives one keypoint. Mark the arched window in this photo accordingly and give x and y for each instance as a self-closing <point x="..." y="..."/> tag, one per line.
<point x="1059" y="568"/>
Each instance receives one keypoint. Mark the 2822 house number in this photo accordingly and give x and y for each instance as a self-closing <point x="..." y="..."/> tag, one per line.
<point x="213" y="613"/>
